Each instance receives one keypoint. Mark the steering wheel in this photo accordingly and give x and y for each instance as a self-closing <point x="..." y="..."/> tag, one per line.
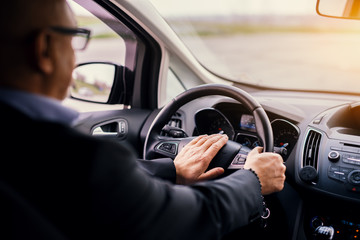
<point x="233" y="154"/>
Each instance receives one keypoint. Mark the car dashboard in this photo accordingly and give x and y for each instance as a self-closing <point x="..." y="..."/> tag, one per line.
<point x="321" y="135"/>
<point x="239" y="125"/>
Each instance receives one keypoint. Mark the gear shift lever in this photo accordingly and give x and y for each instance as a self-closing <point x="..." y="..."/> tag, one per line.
<point x="324" y="232"/>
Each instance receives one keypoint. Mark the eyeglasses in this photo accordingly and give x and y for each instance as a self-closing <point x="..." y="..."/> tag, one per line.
<point x="80" y="36"/>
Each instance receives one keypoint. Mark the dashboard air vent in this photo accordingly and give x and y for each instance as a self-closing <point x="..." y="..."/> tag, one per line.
<point x="175" y="120"/>
<point x="174" y="127"/>
<point x="311" y="149"/>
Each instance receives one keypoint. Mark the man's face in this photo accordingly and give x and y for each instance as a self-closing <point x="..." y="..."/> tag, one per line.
<point x="64" y="54"/>
<point x="47" y="59"/>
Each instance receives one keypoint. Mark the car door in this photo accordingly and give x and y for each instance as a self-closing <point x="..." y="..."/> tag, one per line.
<point x="122" y="58"/>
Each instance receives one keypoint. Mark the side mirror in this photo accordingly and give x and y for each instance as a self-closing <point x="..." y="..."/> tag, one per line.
<point x="95" y="81"/>
<point x="347" y="9"/>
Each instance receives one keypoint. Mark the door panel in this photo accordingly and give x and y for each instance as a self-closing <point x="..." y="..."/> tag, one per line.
<point x="111" y="124"/>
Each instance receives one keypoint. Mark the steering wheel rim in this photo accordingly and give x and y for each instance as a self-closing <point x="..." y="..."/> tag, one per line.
<point x="263" y="125"/>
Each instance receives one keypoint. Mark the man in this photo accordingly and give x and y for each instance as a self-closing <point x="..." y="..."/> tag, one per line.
<point x="60" y="184"/>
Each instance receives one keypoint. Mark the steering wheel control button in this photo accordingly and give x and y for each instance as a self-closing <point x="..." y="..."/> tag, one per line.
<point x="354" y="177"/>
<point x="168" y="147"/>
<point x="239" y="160"/>
<point x="334" y="156"/>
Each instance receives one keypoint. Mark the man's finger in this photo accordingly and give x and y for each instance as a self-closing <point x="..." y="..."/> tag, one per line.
<point x="206" y="142"/>
<point x="196" y="140"/>
<point x="216" y="144"/>
<point x="255" y="151"/>
<point x="211" y="174"/>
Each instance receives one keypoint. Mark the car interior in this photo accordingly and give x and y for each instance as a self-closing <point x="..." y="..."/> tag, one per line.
<point x="138" y="82"/>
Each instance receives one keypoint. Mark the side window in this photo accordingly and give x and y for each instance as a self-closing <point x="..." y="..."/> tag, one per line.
<point x="105" y="44"/>
<point x="173" y="86"/>
<point x="170" y="87"/>
<point x="105" y="68"/>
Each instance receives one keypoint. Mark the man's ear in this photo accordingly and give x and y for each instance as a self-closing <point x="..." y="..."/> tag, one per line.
<point x="44" y="61"/>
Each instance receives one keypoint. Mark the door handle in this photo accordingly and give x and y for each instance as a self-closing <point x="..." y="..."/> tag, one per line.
<point x="111" y="129"/>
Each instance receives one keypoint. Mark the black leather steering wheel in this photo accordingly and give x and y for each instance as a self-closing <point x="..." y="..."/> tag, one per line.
<point x="159" y="146"/>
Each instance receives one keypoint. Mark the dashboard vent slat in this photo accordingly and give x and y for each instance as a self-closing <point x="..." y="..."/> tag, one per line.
<point x="176" y="120"/>
<point x="174" y="124"/>
<point x="311" y="149"/>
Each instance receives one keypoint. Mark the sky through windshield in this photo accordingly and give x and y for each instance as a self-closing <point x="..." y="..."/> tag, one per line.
<point x="270" y="43"/>
<point x="215" y="7"/>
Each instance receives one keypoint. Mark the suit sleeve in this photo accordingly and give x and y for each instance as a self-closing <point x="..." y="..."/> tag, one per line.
<point x="163" y="168"/>
<point x="130" y="204"/>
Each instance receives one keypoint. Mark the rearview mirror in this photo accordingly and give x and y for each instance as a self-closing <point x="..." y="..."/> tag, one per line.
<point x="347" y="9"/>
<point x="93" y="81"/>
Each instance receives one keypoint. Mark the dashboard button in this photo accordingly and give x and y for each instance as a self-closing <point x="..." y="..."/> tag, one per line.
<point x="346" y="172"/>
<point x="334" y="169"/>
<point x="351" y="159"/>
<point x="343" y="178"/>
<point x="333" y="175"/>
<point x="339" y="173"/>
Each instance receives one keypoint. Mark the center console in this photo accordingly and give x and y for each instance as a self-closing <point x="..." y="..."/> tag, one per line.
<point x="330" y="168"/>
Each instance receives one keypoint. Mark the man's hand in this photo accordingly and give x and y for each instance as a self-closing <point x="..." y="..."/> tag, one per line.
<point x="192" y="162"/>
<point x="270" y="169"/>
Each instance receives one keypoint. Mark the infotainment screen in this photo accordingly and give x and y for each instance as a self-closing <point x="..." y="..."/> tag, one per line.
<point x="247" y="122"/>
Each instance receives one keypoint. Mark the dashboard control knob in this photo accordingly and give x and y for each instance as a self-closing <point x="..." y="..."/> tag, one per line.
<point x="308" y="174"/>
<point x="354" y="177"/>
<point x="334" y="156"/>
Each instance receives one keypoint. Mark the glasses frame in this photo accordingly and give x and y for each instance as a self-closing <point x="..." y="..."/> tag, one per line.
<point x="75" y="32"/>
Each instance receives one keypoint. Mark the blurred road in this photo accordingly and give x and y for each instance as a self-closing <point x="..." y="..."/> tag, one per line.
<point x="103" y="50"/>
<point x="298" y="60"/>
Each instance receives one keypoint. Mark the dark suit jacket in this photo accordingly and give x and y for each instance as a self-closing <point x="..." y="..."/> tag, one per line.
<point x="87" y="188"/>
<point x="163" y="168"/>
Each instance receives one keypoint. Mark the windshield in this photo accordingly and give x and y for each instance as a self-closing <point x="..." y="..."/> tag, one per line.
<point x="270" y="43"/>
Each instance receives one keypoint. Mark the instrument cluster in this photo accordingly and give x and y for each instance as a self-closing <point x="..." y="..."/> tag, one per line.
<point x="240" y="127"/>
